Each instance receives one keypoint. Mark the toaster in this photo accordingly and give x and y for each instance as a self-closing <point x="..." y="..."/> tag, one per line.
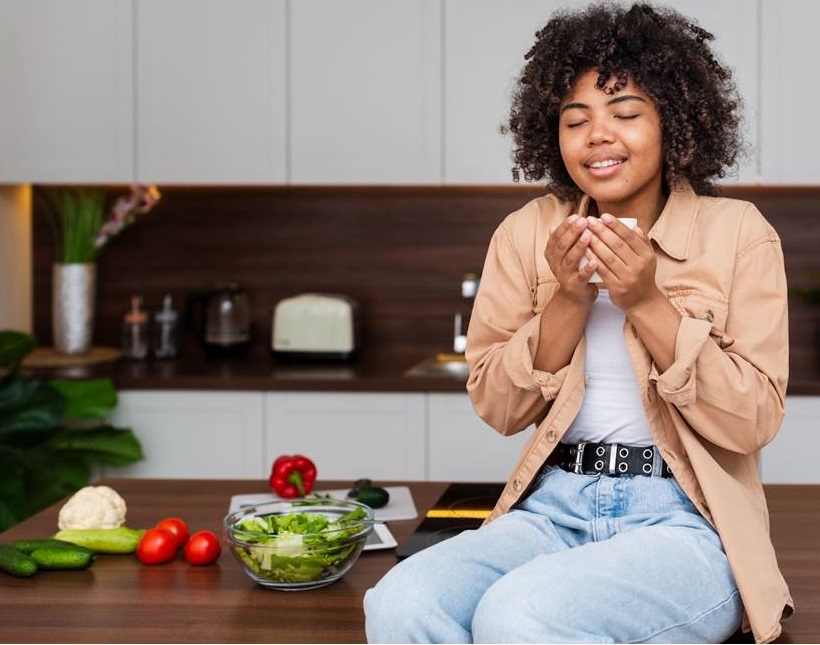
<point x="315" y="326"/>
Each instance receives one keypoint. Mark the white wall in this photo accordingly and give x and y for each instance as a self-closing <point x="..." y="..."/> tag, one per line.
<point x="15" y="257"/>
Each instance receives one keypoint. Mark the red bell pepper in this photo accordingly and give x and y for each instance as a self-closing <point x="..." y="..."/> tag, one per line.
<point x="292" y="476"/>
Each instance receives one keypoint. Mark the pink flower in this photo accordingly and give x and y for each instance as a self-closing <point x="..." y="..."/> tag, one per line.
<point x="142" y="199"/>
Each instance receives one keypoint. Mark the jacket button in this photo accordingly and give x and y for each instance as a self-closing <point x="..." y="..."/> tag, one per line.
<point x="516" y="485"/>
<point x="709" y="317"/>
<point x="551" y="436"/>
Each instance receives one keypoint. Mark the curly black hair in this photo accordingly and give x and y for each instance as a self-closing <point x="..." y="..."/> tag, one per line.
<point x="665" y="54"/>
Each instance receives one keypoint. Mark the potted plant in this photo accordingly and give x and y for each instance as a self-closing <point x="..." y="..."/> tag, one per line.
<point x="81" y="230"/>
<point x="53" y="433"/>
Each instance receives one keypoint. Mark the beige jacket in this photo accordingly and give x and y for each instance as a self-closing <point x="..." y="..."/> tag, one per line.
<point x="720" y="263"/>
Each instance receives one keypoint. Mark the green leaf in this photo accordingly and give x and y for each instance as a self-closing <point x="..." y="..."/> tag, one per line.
<point x="53" y="477"/>
<point x="14" y="347"/>
<point x="88" y="399"/>
<point x="102" y="445"/>
<point x="28" y="406"/>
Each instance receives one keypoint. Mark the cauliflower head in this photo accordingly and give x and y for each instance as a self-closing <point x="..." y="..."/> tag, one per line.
<point x="93" y="507"/>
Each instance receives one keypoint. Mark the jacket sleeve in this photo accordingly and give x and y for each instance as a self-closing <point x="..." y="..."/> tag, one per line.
<point x="503" y="335"/>
<point x="731" y="390"/>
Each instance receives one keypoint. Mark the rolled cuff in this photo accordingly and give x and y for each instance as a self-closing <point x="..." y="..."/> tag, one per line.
<point x="518" y="362"/>
<point x="677" y="384"/>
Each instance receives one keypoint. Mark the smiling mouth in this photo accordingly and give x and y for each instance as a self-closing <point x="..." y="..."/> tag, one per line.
<point x="606" y="163"/>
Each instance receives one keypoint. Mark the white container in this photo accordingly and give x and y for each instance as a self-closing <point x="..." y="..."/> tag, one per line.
<point x="631" y="223"/>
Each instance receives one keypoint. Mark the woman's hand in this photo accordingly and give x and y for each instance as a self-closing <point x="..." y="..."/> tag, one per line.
<point x="566" y="246"/>
<point x="625" y="261"/>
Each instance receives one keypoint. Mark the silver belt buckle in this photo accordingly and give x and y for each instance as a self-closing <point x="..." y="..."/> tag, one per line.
<point x="578" y="468"/>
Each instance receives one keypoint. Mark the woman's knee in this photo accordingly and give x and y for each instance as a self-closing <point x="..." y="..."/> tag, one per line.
<point x="510" y="612"/>
<point x="404" y="604"/>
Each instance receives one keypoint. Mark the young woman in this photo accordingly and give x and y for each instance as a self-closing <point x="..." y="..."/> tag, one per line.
<point x="635" y="513"/>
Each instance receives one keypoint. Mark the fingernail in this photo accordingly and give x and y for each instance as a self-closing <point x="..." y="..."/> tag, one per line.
<point x="607" y="218"/>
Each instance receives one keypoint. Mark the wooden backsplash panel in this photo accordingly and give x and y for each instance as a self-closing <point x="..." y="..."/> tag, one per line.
<point x="399" y="251"/>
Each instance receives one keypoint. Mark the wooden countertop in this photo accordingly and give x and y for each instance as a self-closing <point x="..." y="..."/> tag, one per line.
<point x="377" y="371"/>
<point x="119" y="600"/>
<point x="374" y="371"/>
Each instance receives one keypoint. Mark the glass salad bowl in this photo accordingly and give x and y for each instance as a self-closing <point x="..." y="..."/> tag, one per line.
<point x="298" y="544"/>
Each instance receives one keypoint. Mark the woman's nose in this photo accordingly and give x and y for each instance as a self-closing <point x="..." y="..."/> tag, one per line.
<point x="600" y="132"/>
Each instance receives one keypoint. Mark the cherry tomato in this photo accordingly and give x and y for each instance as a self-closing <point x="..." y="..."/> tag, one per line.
<point x="176" y="526"/>
<point x="156" y="546"/>
<point x="203" y="547"/>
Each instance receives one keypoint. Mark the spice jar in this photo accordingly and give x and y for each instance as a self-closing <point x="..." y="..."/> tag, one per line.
<point x="135" y="331"/>
<point x="165" y="330"/>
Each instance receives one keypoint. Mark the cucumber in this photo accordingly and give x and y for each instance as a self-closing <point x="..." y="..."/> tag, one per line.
<point x="29" y="546"/>
<point x="16" y="563"/>
<point x="121" y="540"/>
<point x="61" y="558"/>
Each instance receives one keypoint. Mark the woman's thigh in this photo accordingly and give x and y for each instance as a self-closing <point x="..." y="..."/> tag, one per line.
<point x="657" y="583"/>
<point x="431" y="596"/>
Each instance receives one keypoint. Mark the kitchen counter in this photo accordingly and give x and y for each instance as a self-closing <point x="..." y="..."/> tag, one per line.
<point x="373" y="371"/>
<point x="376" y="371"/>
<point x="119" y="600"/>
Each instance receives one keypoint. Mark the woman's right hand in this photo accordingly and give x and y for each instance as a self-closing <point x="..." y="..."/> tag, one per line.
<point x="566" y="245"/>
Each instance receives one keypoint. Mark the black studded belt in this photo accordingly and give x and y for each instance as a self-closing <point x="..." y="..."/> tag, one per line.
<point x="612" y="459"/>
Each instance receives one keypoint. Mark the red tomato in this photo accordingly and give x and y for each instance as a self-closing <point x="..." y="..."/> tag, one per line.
<point x="203" y="547"/>
<point x="156" y="546"/>
<point x="176" y="526"/>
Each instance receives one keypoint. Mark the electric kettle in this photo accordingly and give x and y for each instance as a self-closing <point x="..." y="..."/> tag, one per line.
<point x="221" y="319"/>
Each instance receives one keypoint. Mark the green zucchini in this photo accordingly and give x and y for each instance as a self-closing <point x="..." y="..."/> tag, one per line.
<point x="15" y="562"/>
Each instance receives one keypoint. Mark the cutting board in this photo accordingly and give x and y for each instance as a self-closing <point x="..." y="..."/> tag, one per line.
<point x="400" y="506"/>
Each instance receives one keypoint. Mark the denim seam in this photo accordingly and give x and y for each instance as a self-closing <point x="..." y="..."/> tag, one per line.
<point x="695" y="619"/>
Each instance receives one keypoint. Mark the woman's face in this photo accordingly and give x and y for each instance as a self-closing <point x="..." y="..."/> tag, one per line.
<point x="611" y="145"/>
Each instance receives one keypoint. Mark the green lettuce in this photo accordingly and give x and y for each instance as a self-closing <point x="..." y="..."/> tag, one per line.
<point x="298" y="546"/>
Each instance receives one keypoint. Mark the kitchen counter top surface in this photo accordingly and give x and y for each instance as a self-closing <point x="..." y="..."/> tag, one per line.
<point x="373" y="371"/>
<point x="118" y="600"/>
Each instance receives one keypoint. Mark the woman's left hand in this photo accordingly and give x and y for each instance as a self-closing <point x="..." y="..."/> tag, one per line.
<point x="626" y="261"/>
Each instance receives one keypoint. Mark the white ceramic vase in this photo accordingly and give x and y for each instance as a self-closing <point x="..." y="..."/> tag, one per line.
<point x="72" y="307"/>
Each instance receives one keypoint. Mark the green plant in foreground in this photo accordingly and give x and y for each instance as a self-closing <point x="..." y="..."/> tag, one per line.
<point x="52" y="433"/>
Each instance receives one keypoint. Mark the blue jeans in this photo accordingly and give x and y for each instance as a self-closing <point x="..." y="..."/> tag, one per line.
<point x="590" y="559"/>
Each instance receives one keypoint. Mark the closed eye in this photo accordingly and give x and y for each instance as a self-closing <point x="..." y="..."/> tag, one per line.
<point x="575" y="124"/>
<point x="627" y="117"/>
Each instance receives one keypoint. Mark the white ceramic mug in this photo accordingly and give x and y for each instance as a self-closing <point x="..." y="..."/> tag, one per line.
<point x="631" y="223"/>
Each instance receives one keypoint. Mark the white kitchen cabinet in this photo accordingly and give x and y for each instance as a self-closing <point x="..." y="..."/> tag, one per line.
<point x="66" y="91"/>
<point x="461" y="447"/>
<point x="484" y="46"/>
<point x="365" y="96"/>
<point x="350" y="435"/>
<point x="211" y="91"/>
<point x="791" y="458"/>
<point x="736" y="26"/>
<point x="194" y="434"/>
<point x="789" y="48"/>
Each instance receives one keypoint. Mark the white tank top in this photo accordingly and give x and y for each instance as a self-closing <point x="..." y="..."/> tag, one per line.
<point x="612" y="411"/>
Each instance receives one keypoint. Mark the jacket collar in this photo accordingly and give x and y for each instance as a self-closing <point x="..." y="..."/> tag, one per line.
<point x="672" y="230"/>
